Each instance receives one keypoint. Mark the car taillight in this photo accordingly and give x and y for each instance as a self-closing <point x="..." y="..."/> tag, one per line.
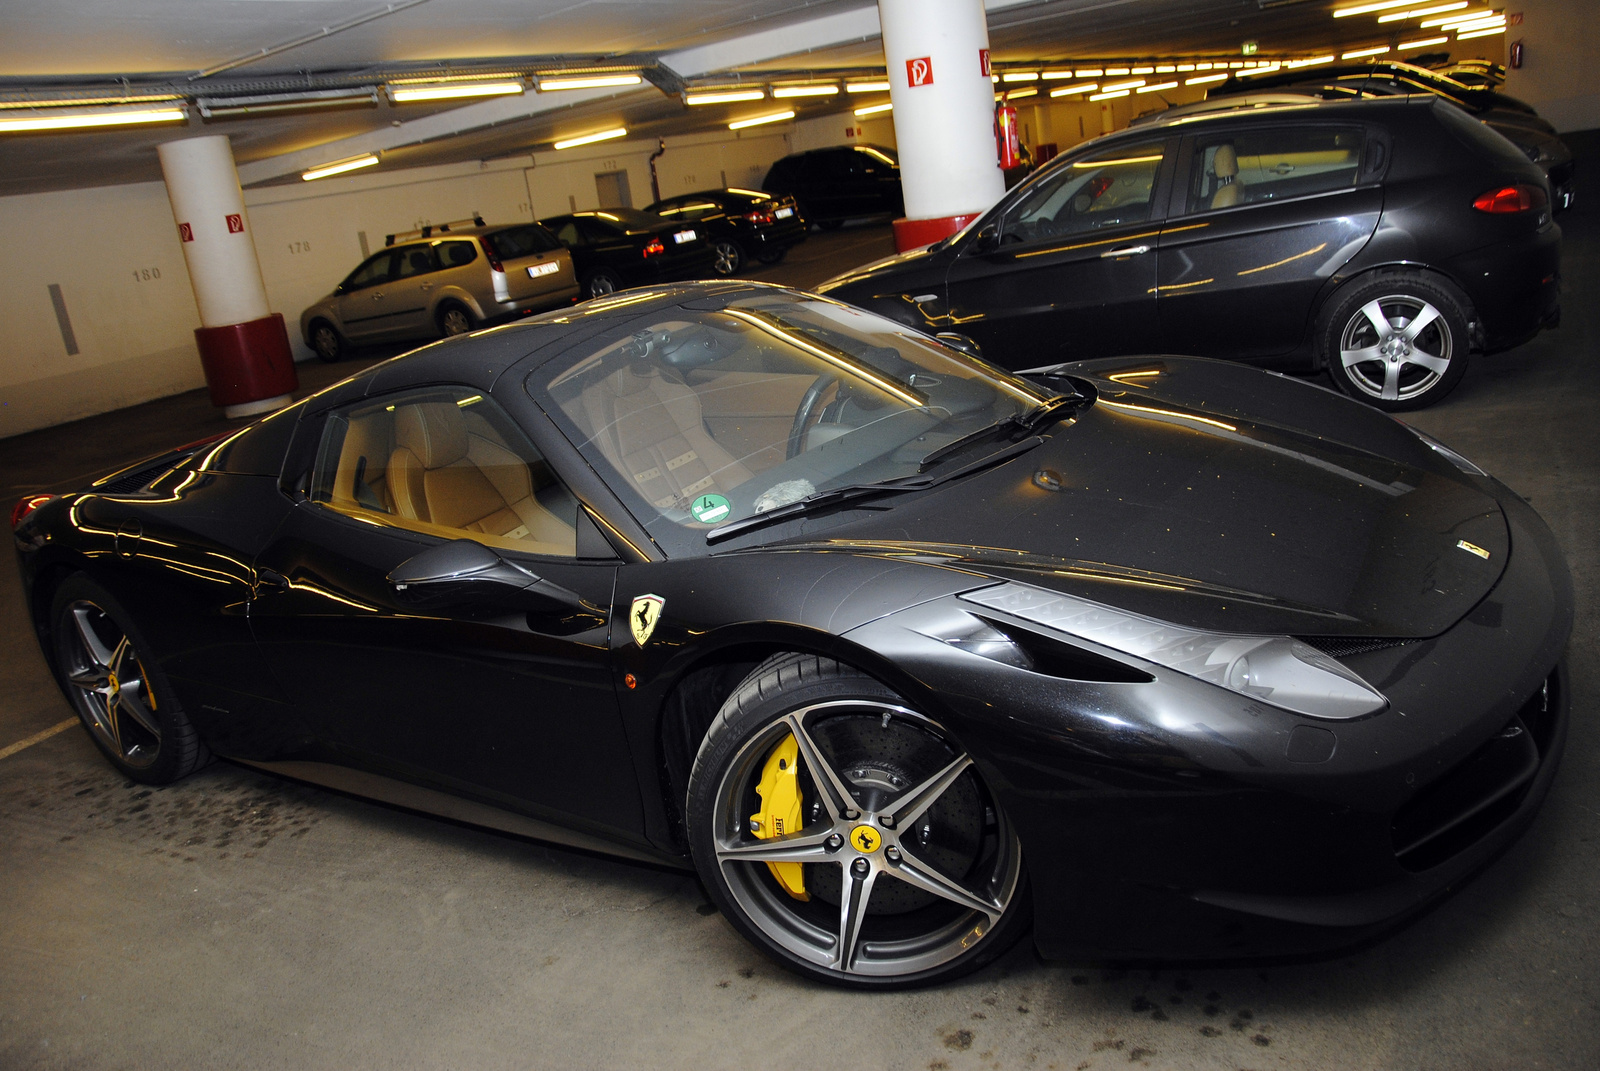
<point x="654" y="248"/>
<point x="494" y="257"/>
<point x="26" y="506"/>
<point x="1508" y="199"/>
<point x="758" y="217"/>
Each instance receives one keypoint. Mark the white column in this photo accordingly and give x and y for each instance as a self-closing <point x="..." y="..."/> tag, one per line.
<point x="243" y="345"/>
<point x="937" y="52"/>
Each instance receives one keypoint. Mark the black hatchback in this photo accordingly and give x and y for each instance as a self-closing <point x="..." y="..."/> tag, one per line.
<point x="739" y="224"/>
<point x="840" y="182"/>
<point x="614" y="248"/>
<point x="1382" y="240"/>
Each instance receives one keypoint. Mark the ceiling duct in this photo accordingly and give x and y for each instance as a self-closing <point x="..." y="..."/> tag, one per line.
<point x="271" y="103"/>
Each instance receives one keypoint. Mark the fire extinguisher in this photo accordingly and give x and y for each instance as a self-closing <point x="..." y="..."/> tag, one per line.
<point x="1006" y="137"/>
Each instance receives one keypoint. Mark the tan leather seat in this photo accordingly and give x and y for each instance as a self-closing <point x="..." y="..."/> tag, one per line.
<point x="442" y="474"/>
<point x="650" y="427"/>
<point x="1225" y="165"/>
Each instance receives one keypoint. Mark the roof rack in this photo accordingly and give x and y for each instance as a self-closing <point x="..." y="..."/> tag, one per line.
<point x="428" y="232"/>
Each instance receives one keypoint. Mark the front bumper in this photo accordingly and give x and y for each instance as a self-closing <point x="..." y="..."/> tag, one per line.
<point x="1176" y="820"/>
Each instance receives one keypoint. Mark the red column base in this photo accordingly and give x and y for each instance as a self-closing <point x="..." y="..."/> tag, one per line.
<point x="915" y="233"/>
<point x="247" y="363"/>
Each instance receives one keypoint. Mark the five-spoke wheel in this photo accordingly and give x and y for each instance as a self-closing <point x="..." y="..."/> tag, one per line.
<point x="140" y="729"/>
<point x="728" y="257"/>
<point x="885" y="860"/>
<point x="1396" y="341"/>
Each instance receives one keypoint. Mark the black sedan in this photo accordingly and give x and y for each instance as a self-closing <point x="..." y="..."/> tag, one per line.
<point x="739" y="224"/>
<point x="1382" y="240"/>
<point x="898" y="651"/>
<point x="613" y="248"/>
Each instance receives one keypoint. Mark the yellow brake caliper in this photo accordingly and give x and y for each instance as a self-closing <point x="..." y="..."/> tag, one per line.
<point x="779" y="790"/>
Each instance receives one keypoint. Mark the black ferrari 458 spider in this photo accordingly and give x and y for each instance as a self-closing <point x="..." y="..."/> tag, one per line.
<point x="900" y="652"/>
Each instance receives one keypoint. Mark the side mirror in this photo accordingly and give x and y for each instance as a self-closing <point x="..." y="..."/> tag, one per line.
<point x="957" y="341"/>
<point x="987" y="240"/>
<point x="464" y="572"/>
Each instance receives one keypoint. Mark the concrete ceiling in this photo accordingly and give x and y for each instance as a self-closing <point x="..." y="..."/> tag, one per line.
<point x="218" y="47"/>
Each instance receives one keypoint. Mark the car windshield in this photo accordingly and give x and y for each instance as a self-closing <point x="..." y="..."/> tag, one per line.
<point x="698" y="418"/>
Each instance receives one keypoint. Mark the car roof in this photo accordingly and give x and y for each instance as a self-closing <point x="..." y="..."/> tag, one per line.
<point x="1265" y="105"/>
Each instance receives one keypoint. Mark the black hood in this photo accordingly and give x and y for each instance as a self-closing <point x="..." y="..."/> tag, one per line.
<point x="1195" y="495"/>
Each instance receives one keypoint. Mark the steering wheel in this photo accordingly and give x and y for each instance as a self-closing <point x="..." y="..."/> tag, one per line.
<point x="807" y="409"/>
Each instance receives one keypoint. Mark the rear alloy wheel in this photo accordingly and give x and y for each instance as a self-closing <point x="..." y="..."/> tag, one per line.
<point x="729" y="257"/>
<point x="1396" y="341"/>
<point x="455" y="320"/>
<point x="848" y="835"/>
<point x="326" y="341"/>
<point x="600" y="284"/>
<point x="105" y="669"/>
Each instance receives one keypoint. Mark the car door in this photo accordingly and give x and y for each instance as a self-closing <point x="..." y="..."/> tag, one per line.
<point x="1068" y="270"/>
<point x="503" y="700"/>
<point x="407" y="297"/>
<point x="361" y="297"/>
<point x="1262" y="217"/>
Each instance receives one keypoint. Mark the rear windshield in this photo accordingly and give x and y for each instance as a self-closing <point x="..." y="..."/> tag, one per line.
<point x="1483" y="141"/>
<point x="523" y="241"/>
<point x="630" y="218"/>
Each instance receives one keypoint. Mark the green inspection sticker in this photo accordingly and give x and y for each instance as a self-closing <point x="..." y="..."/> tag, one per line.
<point x="709" y="509"/>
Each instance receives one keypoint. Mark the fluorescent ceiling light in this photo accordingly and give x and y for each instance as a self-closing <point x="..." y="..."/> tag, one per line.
<point x="1360" y="52"/>
<point x="727" y="96"/>
<point x="1154" y="88"/>
<point x="402" y="94"/>
<point x="1294" y="64"/>
<point x="1376" y="5"/>
<point x="87" y="102"/>
<point x="1421" y="12"/>
<point x="1017" y="94"/>
<point x="1268" y="69"/>
<point x="1450" y="20"/>
<point x="1407" y="46"/>
<point x="590" y="139"/>
<point x="1116" y="70"/>
<point x="339" y="167"/>
<point x="1475" y="24"/>
<point x="1020" y="76"/>
<point x="1088" y="72"/>
<point x="1142" y="70"/>
<point x="598" y="81"/>
<point x="867" y="87"/>
<point x="804" y="91"/>
<point x="1056" y="74"/>
<point x="86" y="120"/>
<point x="775" y="117"/>
<point x="1082" y="87"/>
<point x="1467" y="36"/>
<point x="1168" y="69"/>
<point x="1203" y="79"/>
<point x="1108" y="96"/>
<point x="874" y="109"/>
<point x="1124" y="85"/>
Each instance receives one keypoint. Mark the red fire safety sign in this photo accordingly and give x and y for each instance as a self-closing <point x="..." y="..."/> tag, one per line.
<point x="185" y="232"/>
<point x="235" y="223"/>
<point x="919" y="72"/>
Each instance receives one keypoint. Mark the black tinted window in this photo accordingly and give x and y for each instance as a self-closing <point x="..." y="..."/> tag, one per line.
<point x="456" y="254"/>
<point x="1251" y="166"/>
<point x="1105" y="189"/>
<point x="523" y="241"/>
<point x="414" y="260"/>
<point x="374" y="270"/>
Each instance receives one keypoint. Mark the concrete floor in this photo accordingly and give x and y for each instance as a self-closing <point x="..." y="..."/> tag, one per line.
<point x="236" y="919"/>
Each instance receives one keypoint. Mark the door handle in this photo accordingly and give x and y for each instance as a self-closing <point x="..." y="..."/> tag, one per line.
<point x="426" y="286"/>
<point x="377" y="297"/>
<point x="1125" y="251"/>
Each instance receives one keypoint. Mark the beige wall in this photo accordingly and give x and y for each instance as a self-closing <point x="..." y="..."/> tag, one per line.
<point x="1560" y="72"/>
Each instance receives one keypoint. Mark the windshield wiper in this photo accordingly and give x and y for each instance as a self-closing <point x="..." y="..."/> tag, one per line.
<point x="834" y="496"/>
<point x="1029" y="421"/>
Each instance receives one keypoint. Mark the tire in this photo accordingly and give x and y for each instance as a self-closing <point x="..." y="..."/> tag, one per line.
<point x="772" y="256"/>
<point x="729" y="257"/>
<point x="103" y="665"/>
<point x="601" y="283"/>
<point x="902" y="830"/>
<point x="1369" y="340"/>
<point x="455" y="318"/>
<point x="326" y="341"/>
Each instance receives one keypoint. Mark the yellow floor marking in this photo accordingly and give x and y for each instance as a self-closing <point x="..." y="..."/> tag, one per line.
<point x="36" y="738"/>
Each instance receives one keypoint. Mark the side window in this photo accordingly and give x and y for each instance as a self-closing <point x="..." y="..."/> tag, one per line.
<point x="374" y="271"/>
<point x="457" y="254"/>
<point x="596" y="231"/>
<point x="523" y="241"/>
<point x="567" y="234"/>
<point x="448" y="462"/>
<point x="415" y="260"/>
<point x="1252" y="166"/>
<point x="1108" y="188"/>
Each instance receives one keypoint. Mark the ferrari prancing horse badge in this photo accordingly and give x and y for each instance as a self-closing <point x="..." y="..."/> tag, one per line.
<point x="642" y="619"/>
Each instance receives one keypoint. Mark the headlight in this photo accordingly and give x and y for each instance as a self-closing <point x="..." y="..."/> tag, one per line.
<point x="1273" y="669"/>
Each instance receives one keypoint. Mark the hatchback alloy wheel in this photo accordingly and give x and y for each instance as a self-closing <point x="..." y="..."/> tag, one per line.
<point x="1396" y="347"/>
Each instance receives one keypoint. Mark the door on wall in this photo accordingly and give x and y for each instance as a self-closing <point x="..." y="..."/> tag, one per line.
<point x="612" y="186"/>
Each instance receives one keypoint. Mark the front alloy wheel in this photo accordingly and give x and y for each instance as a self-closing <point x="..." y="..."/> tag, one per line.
<point x="850" y="836"/>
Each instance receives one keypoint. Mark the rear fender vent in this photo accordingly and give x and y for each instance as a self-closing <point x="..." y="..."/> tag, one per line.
<point x="131" y="480"/>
